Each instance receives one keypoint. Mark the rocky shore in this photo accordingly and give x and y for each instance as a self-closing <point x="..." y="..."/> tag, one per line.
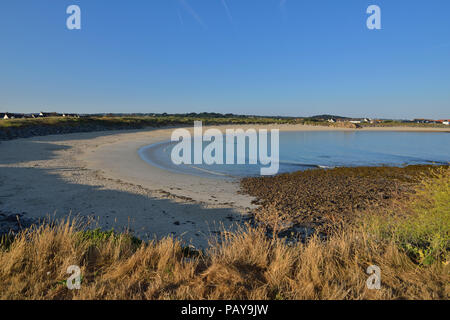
<point x="11" y="224"/>
<point x="322" y="200"/>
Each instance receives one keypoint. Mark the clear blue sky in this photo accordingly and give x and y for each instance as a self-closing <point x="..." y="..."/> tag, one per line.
<point x="269" y="57"/>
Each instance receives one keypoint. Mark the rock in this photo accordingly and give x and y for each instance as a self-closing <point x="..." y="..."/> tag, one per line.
<point x="14" y="223"/>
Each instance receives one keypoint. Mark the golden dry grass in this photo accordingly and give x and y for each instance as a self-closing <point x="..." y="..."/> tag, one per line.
<point x="244" y="265"/>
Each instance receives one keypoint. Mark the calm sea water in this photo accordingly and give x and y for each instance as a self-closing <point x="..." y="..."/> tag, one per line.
<point x="314" y="149"/>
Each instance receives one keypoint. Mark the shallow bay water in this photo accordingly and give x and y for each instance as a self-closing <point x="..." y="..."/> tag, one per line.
<point x="302" y="150"/>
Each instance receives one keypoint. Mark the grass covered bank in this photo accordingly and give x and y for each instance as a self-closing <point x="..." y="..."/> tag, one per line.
<point x="140" y="121"/>
<point x="408" y="240"/>
<point x="30" y="127"/>
<point x="24" y="128"/>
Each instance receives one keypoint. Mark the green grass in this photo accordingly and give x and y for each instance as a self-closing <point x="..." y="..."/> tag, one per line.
<point x="97" y="237"/>
<point x="174" y="120"/>
<point x="391" y="123"/>
<point x="424" y="233"/>
<point x="139" y="121"/>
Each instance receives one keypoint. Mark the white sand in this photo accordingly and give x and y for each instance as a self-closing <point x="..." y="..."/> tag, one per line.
<point x="102" y="175"/>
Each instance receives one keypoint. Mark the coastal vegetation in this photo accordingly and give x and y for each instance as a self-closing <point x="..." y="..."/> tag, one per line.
<point x="407" y="236"/>
<point x="23" y="128"/>
<point x="393" y="123"/>
<point x="143" y="121"/>
<point x="40" y="126"/>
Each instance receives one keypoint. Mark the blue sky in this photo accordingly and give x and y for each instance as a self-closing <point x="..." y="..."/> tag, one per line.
<point x="268" y="57"/>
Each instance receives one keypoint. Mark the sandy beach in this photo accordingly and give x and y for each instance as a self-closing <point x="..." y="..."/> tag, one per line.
<point x="101" y="174"/>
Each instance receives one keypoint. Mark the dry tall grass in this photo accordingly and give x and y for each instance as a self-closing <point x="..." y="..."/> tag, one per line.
<point x="245" y="265"/>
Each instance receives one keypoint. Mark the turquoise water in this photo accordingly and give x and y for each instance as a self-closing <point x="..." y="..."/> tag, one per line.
<point x="314" y="149"/>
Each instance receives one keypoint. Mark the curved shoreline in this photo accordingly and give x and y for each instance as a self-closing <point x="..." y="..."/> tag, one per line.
<point x="158" y="155"/>
<point x="150" y="153"/>
<point x="101" y="174"/>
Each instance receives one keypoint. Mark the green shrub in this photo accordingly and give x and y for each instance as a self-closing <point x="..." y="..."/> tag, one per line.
<point x="424" y="233"/>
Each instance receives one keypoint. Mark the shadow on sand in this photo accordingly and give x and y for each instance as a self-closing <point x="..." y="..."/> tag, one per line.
<point x="61" y="190"/>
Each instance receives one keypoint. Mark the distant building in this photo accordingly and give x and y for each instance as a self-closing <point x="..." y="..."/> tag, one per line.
<point x="445" y="121"/>
<point x="8" y="115"/>
<point x="49" y="114"/>
<point x="425" y="121"/>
